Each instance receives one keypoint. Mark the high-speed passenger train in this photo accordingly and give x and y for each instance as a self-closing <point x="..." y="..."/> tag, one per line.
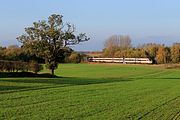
<point x="121" y="60"/>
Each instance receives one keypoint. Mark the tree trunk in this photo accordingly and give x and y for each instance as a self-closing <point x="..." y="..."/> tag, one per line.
<point x="52" y="71"/>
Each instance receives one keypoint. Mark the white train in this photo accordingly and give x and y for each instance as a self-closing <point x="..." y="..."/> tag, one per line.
<point x="121" y="60"/>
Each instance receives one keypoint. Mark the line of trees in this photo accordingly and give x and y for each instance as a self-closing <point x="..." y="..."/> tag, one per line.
<point x="16" y="53"/>
<point x="120" y="46"/>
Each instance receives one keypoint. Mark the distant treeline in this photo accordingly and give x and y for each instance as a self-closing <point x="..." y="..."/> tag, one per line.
<point x="16" y="53"/>
<point x="115" y="46"/>
<point x="120" y="46"/>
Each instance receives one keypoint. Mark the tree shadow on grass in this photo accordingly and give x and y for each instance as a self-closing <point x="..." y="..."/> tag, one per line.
<point x="11" y="89"/>
<point x="66" y="80"/>
<point x="6" y="88"/>
<point x="46" y="83"/>
<point x="25" y="74"/>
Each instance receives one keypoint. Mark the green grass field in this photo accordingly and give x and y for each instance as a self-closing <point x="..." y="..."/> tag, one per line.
<point x="94" y="91"/>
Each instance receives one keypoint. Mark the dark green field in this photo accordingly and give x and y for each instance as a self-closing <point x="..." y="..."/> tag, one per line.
<point x="92" y="91"/>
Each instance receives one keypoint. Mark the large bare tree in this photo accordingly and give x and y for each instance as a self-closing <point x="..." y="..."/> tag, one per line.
<point x="121" y="41"/>
<point x="116" y="43"/>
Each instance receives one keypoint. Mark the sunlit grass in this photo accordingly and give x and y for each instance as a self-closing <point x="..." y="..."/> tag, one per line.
<point x="94" y="91"/>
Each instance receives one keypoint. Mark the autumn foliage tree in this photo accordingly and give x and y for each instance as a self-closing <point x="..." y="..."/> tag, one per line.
<point x="151" y="51"/>
<point x="175" y="53"/>
<point x="160" y="57"/>
<point x="49" y="39"/>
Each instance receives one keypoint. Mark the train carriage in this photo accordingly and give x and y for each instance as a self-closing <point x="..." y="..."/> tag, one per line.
<point x="121" y="60"/>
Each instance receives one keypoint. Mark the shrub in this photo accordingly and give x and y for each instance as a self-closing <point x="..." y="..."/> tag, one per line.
<point x="74" y="58"/>
<point x="35" y="67"/>
<point x="16" y="66"/>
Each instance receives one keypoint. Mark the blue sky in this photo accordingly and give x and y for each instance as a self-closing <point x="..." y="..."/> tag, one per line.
<point x="143" y="20"/>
